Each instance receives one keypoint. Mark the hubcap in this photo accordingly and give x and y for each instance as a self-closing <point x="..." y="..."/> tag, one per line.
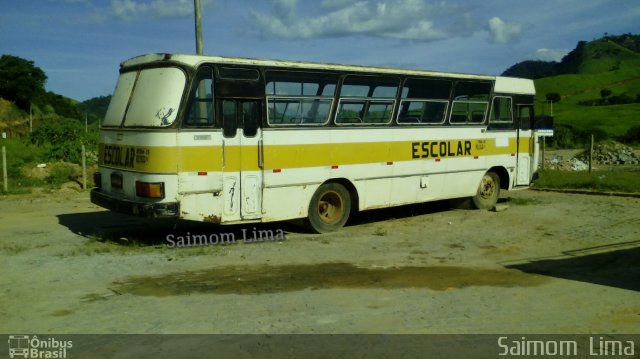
<point x="330" y="207"/>
<point x="488" y="187"/>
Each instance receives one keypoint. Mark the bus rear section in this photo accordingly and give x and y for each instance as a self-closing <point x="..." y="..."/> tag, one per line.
<point x="138" y="157"/>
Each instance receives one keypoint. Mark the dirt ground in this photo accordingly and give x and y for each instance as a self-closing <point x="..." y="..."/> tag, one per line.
<point x="550" y="263"/>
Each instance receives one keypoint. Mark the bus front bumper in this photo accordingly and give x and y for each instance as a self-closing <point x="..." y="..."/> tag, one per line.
<point x="156" y="210"/>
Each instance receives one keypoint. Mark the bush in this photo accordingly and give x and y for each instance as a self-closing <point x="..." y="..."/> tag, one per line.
<point x="20" y="153"/>
<point x="563" y="137"/>
<point x="64" y="139"/>
<point x="61" y="173"/>
<point x="553" y="96"/>
<point x="566" y="136"/>
<point x="622" y="99"/>
<point x="632" y="136"/>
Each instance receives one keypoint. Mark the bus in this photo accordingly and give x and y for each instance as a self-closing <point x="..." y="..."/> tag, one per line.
<point x="230" y="140"/>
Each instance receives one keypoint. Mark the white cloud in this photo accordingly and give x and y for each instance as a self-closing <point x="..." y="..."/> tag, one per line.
<point x="545" y="54"/>
<point x="131" y="10"/>
<point x="335" y="4"/>
<point x="135" y="9"/>
<point x="502" y="32"/>
<point x="415" y="20"/>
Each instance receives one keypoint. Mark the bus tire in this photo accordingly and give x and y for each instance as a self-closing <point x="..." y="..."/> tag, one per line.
<point x="329" y="208"/>
<point x="488" y="191"/>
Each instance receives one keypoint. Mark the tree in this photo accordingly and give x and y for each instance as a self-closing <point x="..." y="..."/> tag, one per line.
<point x="61" y="105"/>
<point x="20" y="80"/>
<point x="604" y="93"/>
<point x="553" y="96"/>
<point x="570" y="64"/>
<point x="96" y="108"/>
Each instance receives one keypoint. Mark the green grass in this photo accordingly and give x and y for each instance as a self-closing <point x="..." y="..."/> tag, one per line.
<point x="604" y="65"/>
<point x="605" y="181"/>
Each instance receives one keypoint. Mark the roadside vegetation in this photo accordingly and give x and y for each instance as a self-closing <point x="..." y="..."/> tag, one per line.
<point x="594" y="90"/>
<point x="600" y="181"/>
<point x="44" y="131"/>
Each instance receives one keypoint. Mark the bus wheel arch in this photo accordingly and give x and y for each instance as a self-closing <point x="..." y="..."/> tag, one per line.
<point x="331" y="205"/>
<point x="503" y="175"/>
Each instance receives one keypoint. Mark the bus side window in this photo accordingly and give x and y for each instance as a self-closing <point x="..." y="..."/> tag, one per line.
<point x="250" y="118"/>
<point x="200" y="112"/>
<point x="229" y="125"/>
<point x="525" y="118"/>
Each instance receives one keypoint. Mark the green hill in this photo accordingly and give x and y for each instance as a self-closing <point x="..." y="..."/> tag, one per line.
<point x="584" y="108"/>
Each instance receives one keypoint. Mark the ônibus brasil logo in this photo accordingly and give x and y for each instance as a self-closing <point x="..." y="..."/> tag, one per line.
<point x="24" y="346"/>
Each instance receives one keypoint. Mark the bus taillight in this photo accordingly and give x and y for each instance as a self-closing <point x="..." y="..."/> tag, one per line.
<point x="150" y="190"/>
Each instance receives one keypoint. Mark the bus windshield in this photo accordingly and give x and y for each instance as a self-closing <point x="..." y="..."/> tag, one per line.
<point x="146" y="98"/>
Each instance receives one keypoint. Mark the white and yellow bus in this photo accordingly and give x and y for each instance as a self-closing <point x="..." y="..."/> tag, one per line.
<point x="234" y="140"/>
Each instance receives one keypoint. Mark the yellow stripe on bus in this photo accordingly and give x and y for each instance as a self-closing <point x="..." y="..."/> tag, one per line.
<point x="155" y="159"/>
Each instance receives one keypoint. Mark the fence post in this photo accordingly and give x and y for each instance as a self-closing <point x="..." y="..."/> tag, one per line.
<point x="84" y="168"/>
<point x="5" y="184"/>
<point x="543" y="147"/>
<point x="591" y="154"/>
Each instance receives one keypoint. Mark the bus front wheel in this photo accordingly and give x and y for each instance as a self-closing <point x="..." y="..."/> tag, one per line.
<point x="329" y="208"/>
<point x="488" y="191"/>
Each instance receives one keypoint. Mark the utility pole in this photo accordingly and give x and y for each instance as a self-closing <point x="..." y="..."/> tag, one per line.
<point x="30" y="117"/>
<point x="86" y="123"/>
<point x="196" y="4"/>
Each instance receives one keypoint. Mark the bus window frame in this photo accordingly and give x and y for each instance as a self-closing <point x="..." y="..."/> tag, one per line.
<point x="299" y="100"/>
<point x="281" y="77"/>
<point x="467" y="122"/>
<point x="502" y="123"/>
<point x="468" y="98"/>
<point x="369" y="99"/>
<point x="137" y="69"/>
<point x="190" y="99"/>
<point x="420" y="123"/>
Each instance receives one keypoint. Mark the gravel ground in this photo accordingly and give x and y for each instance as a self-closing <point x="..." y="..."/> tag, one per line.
<point x="550" y="263"/>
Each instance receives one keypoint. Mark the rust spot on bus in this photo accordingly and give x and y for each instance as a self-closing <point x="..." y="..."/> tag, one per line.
<point x="212" y="219"/>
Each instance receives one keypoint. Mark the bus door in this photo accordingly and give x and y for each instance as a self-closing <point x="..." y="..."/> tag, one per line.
<point x="525" y="145"/>
<point x="241" y="158"/>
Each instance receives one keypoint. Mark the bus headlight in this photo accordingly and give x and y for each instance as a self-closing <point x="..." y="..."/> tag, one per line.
<point x="150" y="190"/>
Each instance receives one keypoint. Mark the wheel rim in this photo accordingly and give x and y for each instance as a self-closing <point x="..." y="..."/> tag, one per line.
<point x="330" y="207"/>
<point x="488" y="187"/>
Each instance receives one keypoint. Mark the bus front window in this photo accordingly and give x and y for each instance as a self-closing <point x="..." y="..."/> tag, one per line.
<point x="152" y="95"/>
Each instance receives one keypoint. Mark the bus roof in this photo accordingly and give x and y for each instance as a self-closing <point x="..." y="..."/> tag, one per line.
<point x="503" y="84"/>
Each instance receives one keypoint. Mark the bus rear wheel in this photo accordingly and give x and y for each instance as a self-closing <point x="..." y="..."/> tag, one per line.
<point x="329" y="208"/>
<point x="488" y="191"/>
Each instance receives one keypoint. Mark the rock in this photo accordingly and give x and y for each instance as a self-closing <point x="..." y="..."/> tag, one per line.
<point x="577" y="165"/>
<point x="610" y="153"/>
<point x="500" y="207"/>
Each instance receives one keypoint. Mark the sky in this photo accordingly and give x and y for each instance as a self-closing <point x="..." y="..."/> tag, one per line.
<point x="80" y="43"/>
